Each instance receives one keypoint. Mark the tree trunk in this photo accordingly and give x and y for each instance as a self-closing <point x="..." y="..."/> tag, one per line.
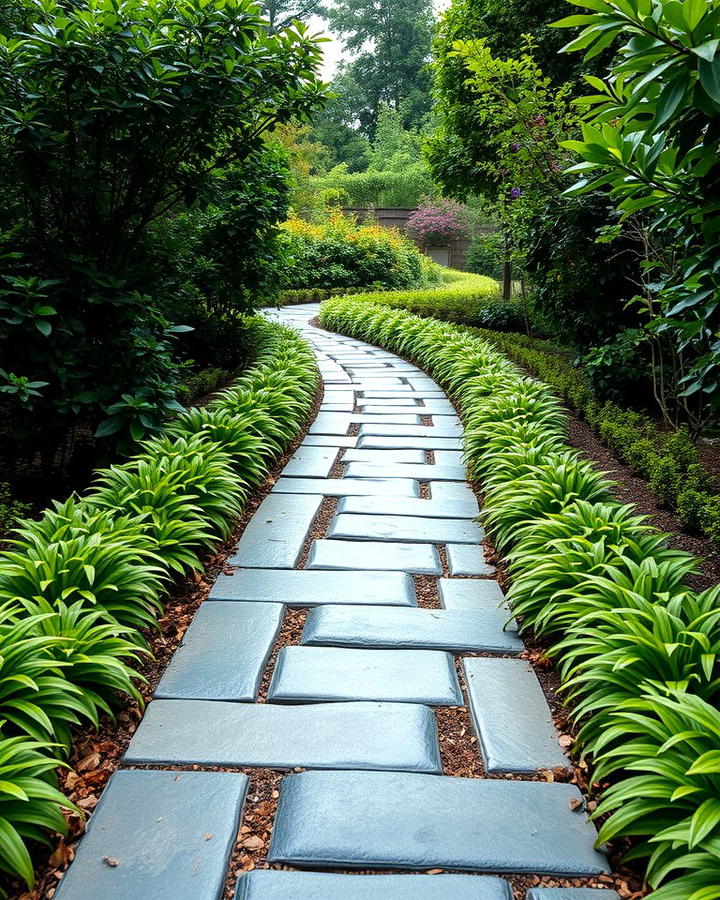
<point x="507" y="279"/>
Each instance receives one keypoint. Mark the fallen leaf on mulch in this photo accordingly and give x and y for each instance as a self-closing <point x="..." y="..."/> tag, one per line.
<point x="89" y="762"/>
<point x="253" y="843"/>
<point x="565" y="741"/>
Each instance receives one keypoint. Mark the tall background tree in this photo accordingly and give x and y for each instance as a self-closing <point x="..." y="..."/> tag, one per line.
<point x="389" y="41"/>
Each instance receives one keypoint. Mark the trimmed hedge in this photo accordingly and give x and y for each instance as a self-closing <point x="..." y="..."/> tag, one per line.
<point x="667" y="460"/>
<point x="78" y="587"/>
<point x="638" y="652"/>
<point x="464" y="298"/>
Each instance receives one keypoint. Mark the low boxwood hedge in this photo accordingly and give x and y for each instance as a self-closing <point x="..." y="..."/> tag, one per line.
<point x="637" y="650"/>
<point x="79" y="586"/>
<point x="668" y="460"/>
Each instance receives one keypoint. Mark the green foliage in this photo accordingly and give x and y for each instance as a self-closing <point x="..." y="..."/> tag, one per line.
<point x="339" y="252"/>
<point x="389" y="41"/>
<point x="668" y="460"/>
<point x="29" y="802"/>
<point x="11" y="511"/>
<point x="96" y="156"/>
<point x="651" y="141"/>
<point x="464" y="297"/>
<point x="81" y="586"/>
<point x="638" y="651"/>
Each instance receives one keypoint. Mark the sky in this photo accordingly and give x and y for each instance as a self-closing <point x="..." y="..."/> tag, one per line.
<point x="333" y="49"/>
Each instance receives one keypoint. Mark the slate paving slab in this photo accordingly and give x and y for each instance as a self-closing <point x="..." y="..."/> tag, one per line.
<point x="466" y="559"/>
<point x="402" y="820"/>
<point x="449" y="457"/>
<point x="312" y="462"/>
<point x="408" y="506"/>
<point x="330" y="423"/>
<point x="389" y="429"/>
<point x="391" y="556"/>
<point x="269" y="884"/>
<point x="404" y="528"/>
<point x="312" y="674"/>
<point x="512" y="719"/>
<point x="223" y="653"/>
<point x="467" y="593"/>
<point x="315" y="736"/>
<point x="430" y="629"/>
<point x="571" y="894"/>
<point x="421" y="471"/>
<point x="329" y="440"/>
<point x="156" y="825"/>
<point x="430" y="408"/>
<point x="453" y="492"/>
<point x="399" y="420"/>
<point x="348" y="487"/>
<point x="383" y="457"/>
<point x="392" y="393"/>
<point x="276" y="534"/>
<point x="301" y="587"/>
<point x="407" y="442"/>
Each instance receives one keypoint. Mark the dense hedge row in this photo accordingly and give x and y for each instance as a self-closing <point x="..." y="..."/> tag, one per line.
<point x="464" y="297"/>
<point x="80" y="586"/>
<point x="667" y="460"/>
<point x="339" y="252"/>
<point x="636" y="649"/>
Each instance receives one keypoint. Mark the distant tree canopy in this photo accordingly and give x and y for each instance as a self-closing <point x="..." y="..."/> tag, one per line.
<point x="390" y="45"/>
<point x="280" y="13"/>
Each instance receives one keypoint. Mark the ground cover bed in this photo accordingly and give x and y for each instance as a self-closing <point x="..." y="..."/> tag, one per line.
<point x="82" y="588"/>
<point x="635" y="646"/>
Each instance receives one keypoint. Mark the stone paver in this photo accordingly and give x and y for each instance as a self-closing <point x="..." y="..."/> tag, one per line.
<point x="389" y="429"/>
<point x="276" y="534"/>
<point x="223" y="653"/>
<point x="466" y="593"/>
<point x="311" y="462"/>
<point x="156" y="825"/>
<point x="349" y="487"/>
<point x="403" y="442"/>
<point x="423" y="471"/>
<point x="329" y="440"/>
<point x="411" y="821"/>
<point x="405" y="528"/>
<point x="317" y="736"/>
<point x="268" y="884"/>
<point x="511" y="716"/>
<point x="430" y="629"/>
<point x="391" y="556"/>
<point x="383" y="457"/>
<point x="409" y="506"/>
<point x="465" y="559"/>
<point x="300" y="587"/>
<point x="311" y="674"/>
<point x="571" y="894"/>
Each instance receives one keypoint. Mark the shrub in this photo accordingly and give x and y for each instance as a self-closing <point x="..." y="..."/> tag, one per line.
<point x="438" y="223"/>
<point x="340" y="253"/>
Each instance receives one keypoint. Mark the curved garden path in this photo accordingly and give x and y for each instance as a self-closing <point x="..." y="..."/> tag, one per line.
<point x="372" y="527"/>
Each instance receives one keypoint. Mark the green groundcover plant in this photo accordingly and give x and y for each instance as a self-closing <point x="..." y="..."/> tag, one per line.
<point x="80" y="588"/>
<point x="667" y="459"/>
<point x="638" y="651"/>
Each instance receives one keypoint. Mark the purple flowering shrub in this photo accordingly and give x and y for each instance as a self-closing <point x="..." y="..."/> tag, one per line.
<point x="437" y="222"/>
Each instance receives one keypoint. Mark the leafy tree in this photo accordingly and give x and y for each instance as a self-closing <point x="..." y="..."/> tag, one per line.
<point x="390" y="44"/>
<point x="113" y="115"/>
<point x="651" y="140"/>
<point x="281" y="13"/>
<point x="337" y="125"/>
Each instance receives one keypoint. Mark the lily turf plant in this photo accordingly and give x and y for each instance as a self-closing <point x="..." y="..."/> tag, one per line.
<point x="81" y="588"/>
<point x="637" y="650"/>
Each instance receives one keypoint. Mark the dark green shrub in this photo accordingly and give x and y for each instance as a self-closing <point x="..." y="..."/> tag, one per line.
<point x="484" y="255"/>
